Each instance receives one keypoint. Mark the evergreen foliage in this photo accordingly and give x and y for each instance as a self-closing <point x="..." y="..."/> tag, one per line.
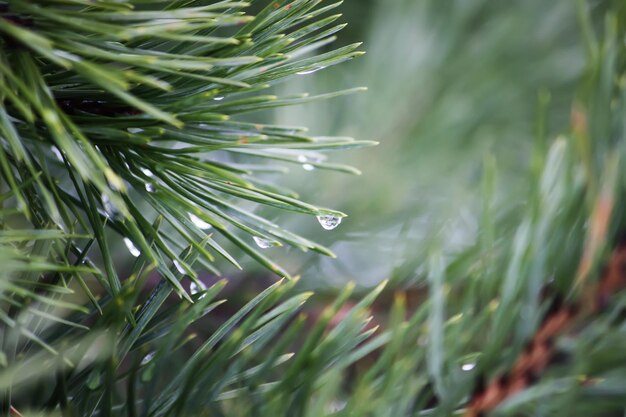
<point x="123" y="122"/>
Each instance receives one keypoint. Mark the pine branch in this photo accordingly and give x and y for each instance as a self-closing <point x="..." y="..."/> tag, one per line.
<point x="134" y="102"/>
<point x="541" y="350"/>
<point x="145" y="109"/>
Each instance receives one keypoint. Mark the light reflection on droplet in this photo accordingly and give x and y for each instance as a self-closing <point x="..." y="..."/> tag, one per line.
<point x="57" y="153"/>
<point x="131" y="247"/>
<point x="179" y="267"/>
<point x="147" y="358"/>
<point x="195" y="289"/>
<point x="336" y="406"/>
<point x="147" y="172"/>
<point x="306" y="159"/>
<point x="263" y="243"/>
<point x="311" y="71"/>
<point x="329" y="222"/>
<point x="198" y="222"/>
<point x="468" y="366"/>
<point x="109" y="208"/>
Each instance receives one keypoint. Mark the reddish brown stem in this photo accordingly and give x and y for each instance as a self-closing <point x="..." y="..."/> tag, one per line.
<point x="540" y="350"/>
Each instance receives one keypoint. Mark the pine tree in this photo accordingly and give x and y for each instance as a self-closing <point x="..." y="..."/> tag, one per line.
<point x="124" y="123"/>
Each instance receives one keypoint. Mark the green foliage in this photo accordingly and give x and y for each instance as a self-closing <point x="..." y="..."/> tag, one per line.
<point x="127" y="98"/>
<point x="139" y="105"/>
<point x="450" y="85"/>
<point x="126" y="119"/>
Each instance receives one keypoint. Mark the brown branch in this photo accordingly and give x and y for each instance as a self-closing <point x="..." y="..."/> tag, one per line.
<point x="15" y="413"/>
<point x="540" y="350"/>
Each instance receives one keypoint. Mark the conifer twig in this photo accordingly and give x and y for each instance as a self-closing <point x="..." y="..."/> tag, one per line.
<point x="541" y="350"/>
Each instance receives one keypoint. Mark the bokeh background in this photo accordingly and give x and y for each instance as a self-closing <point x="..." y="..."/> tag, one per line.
<point x="454" y="86"/>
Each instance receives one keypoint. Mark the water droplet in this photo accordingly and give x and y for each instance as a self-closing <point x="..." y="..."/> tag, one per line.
<point x="329" y="222"/>
<point x="198" y="222"/>
<point x="336" y="406"/>
<point x="306" y="166"/>
<point x="311" y="71"/>
<point x="57" y="153"/>
<point x="150" y="187"/>
<point x="220" y="98"/>
<point x="263" y="243"/>
<point x="131" y="247"/>
<point x="147" y="358"/>
<point x="179" y="267"/>
<point x="308" y="161"/>
<point x="468" y="366"/>
<point x="109" y="208"/>
<point x="195" y="289"/>
<point x="147" y="172"/>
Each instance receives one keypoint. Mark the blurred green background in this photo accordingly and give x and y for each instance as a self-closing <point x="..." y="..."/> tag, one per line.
<point x="451" y="85"/>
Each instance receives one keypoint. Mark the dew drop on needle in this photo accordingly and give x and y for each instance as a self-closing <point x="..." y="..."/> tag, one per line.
<point x="179" y="267"/>
<point x="147" y="358"/>
<point x="147" y="172"/>
<point x="311" y="71"/>
<point x="263" y="243"/>
<point x="195" y="289"/>
<point x="468" y="366"/>
<point x="131" y="247"/>
<point x="329" y="222"/>
<point x="109" y="208"/>
<point x="198" y="222"/>
<point x="57" y="153"/>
